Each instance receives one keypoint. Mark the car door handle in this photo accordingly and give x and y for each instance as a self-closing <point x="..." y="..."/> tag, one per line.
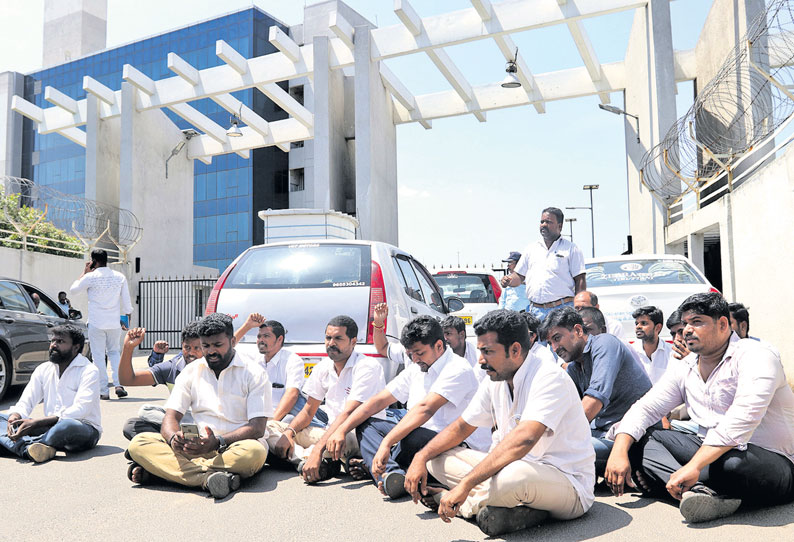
<point x="7" y="320"/>
<point x="413" y="310"/>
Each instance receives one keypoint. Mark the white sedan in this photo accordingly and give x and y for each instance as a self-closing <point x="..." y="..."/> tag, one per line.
<point x="479" y="292"/>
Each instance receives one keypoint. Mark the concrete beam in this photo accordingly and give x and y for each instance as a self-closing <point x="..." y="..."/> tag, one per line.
<point x="138" y="79"/>
<point x="284" y="43"/>
<point x="75" y="135"/>
<point x="483" y="8"/>
<point x="183" y="69"/>
<point x="58" y="98"/>
<point x="343" y="29"/>
<point x="586" y="51"/>
<point x="200" y="121"/>
<point x="508" y="49"/>
<point x="228" y="54"/>
<point x="247" y="115"/>
<point x="282" y="133"/>
<point x="410" y="19"/>
<point x="456" y="78"/>
<point x="288" y="103"/>
<point x="24" y="107"/>
<point x="105" y="94"/>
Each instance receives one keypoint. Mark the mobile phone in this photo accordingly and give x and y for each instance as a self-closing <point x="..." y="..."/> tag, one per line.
<point x="190" y="431"/>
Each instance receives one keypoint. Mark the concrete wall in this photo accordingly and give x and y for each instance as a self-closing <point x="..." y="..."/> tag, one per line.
<point x="11" y="84"/>
<point x="73" y="29"/>
<point x="649" y="94"/>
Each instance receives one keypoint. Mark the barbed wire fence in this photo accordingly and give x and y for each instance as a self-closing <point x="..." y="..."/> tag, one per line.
<point x="733" y="120"/>
<point x="91" y="223"/>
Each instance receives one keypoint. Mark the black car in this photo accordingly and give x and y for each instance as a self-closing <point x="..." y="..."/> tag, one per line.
<point x="24" y="330"/>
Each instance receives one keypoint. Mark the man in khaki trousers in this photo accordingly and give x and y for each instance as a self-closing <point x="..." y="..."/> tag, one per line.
<point x="541" y="460"/>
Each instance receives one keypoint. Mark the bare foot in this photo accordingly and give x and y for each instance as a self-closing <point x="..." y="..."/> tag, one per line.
<point x="137" y="474"/>
<point x="642" y="481"/>
<point x="433" y="497"/>
<point x="357" y="469"/>
<point x="381" y="488"/>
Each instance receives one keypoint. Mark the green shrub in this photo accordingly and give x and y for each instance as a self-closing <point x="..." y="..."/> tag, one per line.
<point x="56" y="239"/>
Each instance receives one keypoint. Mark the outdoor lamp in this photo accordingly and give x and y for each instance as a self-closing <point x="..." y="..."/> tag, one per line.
<point x="511" y="79"/>
<point x="234" y="129"/>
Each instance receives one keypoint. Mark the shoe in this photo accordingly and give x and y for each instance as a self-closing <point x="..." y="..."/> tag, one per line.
<point x="40" y="453"/>
<point x="105" y="397"/>
<point x="121" y="392"/>
<point x="220" y="484"/>
<point x="701" y="504"/>
<point x="496" y="520"/>
<point x="394" y="484"/>
<point x="328" y="469"/>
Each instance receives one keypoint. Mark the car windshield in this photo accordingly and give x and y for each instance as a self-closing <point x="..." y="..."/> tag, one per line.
<point x="468" y="287"/>
<point x="305" y="265"/>
<point x="640" y="272"/>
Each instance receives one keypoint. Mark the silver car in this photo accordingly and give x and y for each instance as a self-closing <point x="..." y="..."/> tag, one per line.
<point x="305" y="284"/>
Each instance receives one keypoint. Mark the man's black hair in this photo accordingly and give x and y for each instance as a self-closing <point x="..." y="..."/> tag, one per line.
<point x="59" y="293"/>
<point x="674" y="319"/>
<point x="556" y="212"/>
<point x="454" y="322"/>
<point x="654" y="313"/>
<point x="709" y="304"/>
<point x="595" y="315"/>
<point x="277" y="327"/>
<point x="593" y="298"/>
<point x="190" y="332"/>
<point x="533" y="323"/>
<point x="351" y="328"/>
<point x="73" y="332"/>
<point x="740" y="314"/>
<point x="509" y="327"/>
<point x="422" y="329"/>
<point x="565" y="317"/>
<point x="215" y="324"/>
<point x="99" y="256"/>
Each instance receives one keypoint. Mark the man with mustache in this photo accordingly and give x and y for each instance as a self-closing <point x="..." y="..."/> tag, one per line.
<point x="436" y="388"/>
<point x="230" y="402"/>
<point x="552" y="268"/>
<point x="540" y="462"/>
<point x="68" y="385"/>
<point x="344" y="380"/>
<point x="652" y="352"/>
<point x="606" y="373"/>
<point x="150" y="417"/>
<point x="736" y="391"/>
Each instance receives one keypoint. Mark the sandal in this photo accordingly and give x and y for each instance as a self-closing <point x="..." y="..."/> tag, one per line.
<point x="357" y="469"/>
<point x="146" y="476"/>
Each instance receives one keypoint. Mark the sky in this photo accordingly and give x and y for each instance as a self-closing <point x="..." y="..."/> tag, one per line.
<point x="469" y="192"/>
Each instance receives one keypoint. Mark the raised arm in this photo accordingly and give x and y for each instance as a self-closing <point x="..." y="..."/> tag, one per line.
<point x="254" y="320"/>
<point x="379" y="316"/>
<point x="127" y="375"/>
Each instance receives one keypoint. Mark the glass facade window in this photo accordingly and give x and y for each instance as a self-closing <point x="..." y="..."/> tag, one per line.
<point x="228" y="192"/>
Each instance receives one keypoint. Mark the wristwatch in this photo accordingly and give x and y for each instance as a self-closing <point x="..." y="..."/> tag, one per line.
<point x="221" y="444"/>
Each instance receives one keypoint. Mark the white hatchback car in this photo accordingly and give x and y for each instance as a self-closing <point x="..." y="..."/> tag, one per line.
<point x="304" y="284"/>
<point x="479" y="292"/>
<point x="625" y="283"/>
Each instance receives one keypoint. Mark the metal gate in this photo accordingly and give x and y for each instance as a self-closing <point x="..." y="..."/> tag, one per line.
<point x="165" y="306"/>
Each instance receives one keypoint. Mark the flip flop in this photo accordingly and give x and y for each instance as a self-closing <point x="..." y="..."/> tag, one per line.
<point x="146" y="476"/>
<point x="357" y="469"/>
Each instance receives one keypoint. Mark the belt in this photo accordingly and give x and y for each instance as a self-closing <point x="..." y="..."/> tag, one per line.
<point x="551" y="304"/>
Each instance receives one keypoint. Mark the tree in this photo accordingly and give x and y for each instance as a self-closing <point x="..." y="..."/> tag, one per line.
<point x="55" y="240"/>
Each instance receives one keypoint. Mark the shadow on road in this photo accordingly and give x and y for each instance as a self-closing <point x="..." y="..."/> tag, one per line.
<point x="99" y="451"/>
<point x="776" y="516"/>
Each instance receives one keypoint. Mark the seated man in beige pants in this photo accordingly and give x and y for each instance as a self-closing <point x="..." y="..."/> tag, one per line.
<point x="345" y="380"/>
<point x="541" y="460"/>
<point x="230" y="400"/>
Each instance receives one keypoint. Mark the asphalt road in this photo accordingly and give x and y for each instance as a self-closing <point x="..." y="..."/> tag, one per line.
<point x="87" y="496"/>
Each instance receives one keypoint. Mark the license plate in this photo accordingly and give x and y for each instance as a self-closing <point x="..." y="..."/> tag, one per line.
<point x="467" y="319"/>
<point x="307" y="369"/>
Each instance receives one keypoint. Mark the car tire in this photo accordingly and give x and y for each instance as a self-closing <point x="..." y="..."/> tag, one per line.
<point x="6" y="374"/>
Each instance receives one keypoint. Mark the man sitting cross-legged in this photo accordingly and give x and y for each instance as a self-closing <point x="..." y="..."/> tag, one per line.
<point x="150" y="417"/>
<point x="230" y="402"/>
<point x="344" y="380"/>
<point x="69" y="387"/>
<point x="606" y="374"/>
<point x="541" y="460"/>
<point x="736" y="391"/>
<point x="436" y="387"/>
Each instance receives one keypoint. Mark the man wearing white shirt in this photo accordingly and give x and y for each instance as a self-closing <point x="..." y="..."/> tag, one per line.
<point x="536" y="348"/>
<point x="344" y="380"/>
<point x="68" y="385"/>
<point x="589" y="299"/>
<point x="229" y="399"/>
<point x="653" y="353"/>
<point x="108" y="299"/>
<point x="455" y="336"/>
<point x="553" y="268"/>
<point x="540" y="462"/>
<point x="436" y="388"/>
<point x="736" y="391"/>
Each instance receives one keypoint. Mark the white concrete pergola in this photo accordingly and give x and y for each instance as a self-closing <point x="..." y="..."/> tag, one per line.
<point x="415" y="35"/>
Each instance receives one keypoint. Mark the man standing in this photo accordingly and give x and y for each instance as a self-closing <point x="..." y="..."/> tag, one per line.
<point x="436" y="388"/>
<point x="344" y="380"/>
<point x="284" y="368"/>
<point x="652" y="352"/>
<point x="69" y="388"/>
<point x="605" y="372"/>
<point x="736" y="391"/>
<point x="552" y="268"/>
<point x="540" y="462"/>
<point x="589" y="299"/>
<point x="150" y="417"/>
<point x="108" y="297"/>
<point x="230" y="402"/>
<point x="514" y="298"/>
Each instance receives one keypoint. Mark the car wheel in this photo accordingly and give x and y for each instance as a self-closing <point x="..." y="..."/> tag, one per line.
<point x="5" y="373"/>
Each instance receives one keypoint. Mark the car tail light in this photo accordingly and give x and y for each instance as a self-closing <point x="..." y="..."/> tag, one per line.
<point x="497" y="290"/>
<point x="714" y="290"/>
<point x="377" y="294"/>
<point x="212" y="302"/>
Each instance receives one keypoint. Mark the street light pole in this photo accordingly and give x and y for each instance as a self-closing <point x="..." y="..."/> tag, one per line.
<point x="570" y="222"/>
<point x="590" y="187"/>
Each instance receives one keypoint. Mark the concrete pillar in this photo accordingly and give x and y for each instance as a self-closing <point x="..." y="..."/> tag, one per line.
<point x="320" y="185"/>
<point x="695" y="247"/>
<point x="11" y="84"/>
<point x="650" y="94"/>
<point x="376" y="147"/>
<point x="101" y="155"/>
<point x="73" y="29"/>
<point x="727" y="258"/>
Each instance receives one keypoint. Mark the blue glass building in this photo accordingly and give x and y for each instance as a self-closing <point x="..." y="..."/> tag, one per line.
<point x="228" y="192"/>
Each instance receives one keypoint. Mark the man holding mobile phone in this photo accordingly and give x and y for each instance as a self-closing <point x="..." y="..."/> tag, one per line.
<point x="108" y="297"/>
<point x="230" y="400"/>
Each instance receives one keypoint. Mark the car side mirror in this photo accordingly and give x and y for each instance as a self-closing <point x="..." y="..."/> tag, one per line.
<point x="75" y="315"/>
<point x="454" y="304"/>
